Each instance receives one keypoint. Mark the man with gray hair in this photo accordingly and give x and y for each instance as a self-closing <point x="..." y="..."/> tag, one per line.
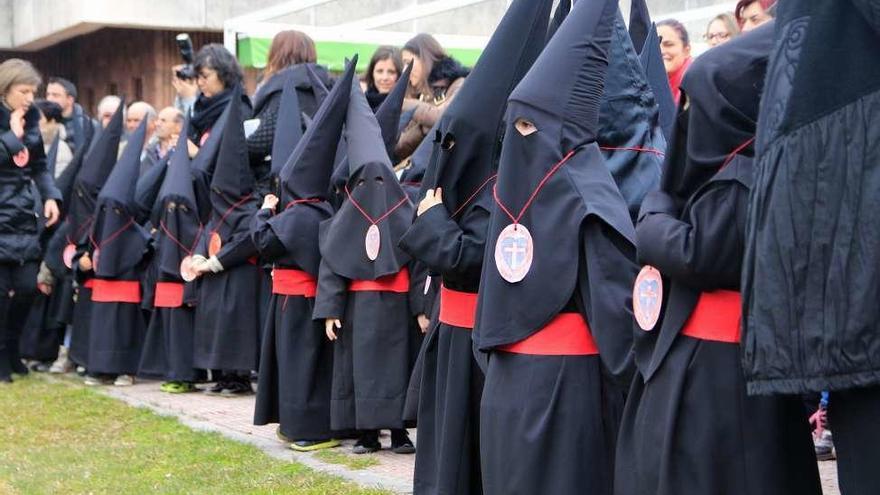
<point x="168" y="125"/>
<point x="106" y="108"/>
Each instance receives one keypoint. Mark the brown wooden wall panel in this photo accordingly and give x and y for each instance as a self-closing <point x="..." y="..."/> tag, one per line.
<point x="134" y="62"/>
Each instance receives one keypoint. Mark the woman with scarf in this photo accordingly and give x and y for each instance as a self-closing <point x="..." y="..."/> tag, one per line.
<point x="675" y="47"/>
<point x="217" y="75"/>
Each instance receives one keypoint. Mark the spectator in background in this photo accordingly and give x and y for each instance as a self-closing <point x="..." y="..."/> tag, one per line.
<point x="721" y="29"/>
<point x="167" y="127"/>
<point x="752" y="13"/>
<point x="217" y="74"/>
<point x="136" y="113"/>
<point x="384" y="69"/>
<point x="675" y="47"/>
<point x="52" y="126"/>
<point x="434" y="79"/>
<point x="78" y="125"/>
<point x="106" y="108"/>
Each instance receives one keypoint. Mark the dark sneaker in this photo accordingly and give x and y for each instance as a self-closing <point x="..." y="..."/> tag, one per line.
<point x="400" y="442"/>
<point x="367" y="443"/>
<point x="217" y="388"/>
<point x="312" y="445"/>
<point x="237" y="389"/>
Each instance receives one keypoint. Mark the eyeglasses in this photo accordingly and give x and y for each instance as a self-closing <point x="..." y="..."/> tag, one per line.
<point x="716" y="36"/>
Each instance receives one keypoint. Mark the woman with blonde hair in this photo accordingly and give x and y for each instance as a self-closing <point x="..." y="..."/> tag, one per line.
<point x="721" y="29"/>
<point x="22" y="166"/>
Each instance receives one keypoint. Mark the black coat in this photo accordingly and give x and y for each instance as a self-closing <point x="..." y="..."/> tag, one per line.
<point x="22" y="189"/>
<point x="811" y="280"/>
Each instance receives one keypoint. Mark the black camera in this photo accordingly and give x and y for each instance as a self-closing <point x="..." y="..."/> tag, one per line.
<point x="184" y="44"/>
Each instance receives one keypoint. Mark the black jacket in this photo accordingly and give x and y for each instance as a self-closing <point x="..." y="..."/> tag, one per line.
<point x="80" y="128"/>
<point x="22" y="190"/>
<point x="811" y="275"/>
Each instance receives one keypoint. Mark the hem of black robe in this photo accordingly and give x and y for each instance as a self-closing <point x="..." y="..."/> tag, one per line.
<point x="366" y="414"/>
<point x="805" y="385"/>
<point x="223" y="363"/>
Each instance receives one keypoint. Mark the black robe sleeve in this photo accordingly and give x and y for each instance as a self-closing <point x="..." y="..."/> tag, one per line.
<point x="870" y="10"/>
<point x="265" y="240"/>
<point x="704" y="249"/>
<point x="237" y="251"/>
<point x="606" y="276"/>
<point x="418" y="303"/>
<point x="438" y="241"/>
<point x="332" y="294"/>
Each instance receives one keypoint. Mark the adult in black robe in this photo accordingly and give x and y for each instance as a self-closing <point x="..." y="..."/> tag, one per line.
<point x="227" y="323"/>
<point x="450" y="235"/>
<point x="96" y="165"/>
<point x="689" y="396"/>
<point x="363" y="292"/>
<point x="118" y="252"/>
<point x="552" y="304"/>
<point x="296" y="358"/>
<point x="168" y="346"/>
<point x="810" y="276"/>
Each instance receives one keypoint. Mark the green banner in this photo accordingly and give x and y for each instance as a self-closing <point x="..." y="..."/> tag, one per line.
<point x="253" y="52"/>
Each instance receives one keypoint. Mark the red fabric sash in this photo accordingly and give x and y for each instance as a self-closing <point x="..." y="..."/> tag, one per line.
<point x="89" y="284"/>
<point x="458" y="309"/>
<point x="717" y="317"/>
<point x="398" y="282"/>
<point x="168" y="295"/>
<point x="566" y="335"/>
<point x="123" y="291"/>
<point x="290" y="282"/>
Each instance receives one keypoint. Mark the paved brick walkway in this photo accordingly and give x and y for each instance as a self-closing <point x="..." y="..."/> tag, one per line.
<point x="232" y="417"/>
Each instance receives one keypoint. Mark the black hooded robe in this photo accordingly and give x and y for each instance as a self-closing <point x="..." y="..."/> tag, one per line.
<point x="689" y="397"/>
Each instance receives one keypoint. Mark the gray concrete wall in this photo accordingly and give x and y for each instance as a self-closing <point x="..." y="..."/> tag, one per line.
<point x="35" y="24"/>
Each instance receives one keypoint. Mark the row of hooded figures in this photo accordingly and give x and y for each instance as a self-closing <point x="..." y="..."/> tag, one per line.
<point x="580" y="275"/>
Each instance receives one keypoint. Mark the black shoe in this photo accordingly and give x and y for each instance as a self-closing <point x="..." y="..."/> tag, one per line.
<point x="18" y="367"/>
<point x="367" y="443"/>
<point x="217" y="388"/>
<point x="5" y="368"/>
<point x="400" y="442"/>
<point x="237" y="389"/>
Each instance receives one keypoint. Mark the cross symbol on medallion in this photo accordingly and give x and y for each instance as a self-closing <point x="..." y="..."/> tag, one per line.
<point x="514" y="249"/>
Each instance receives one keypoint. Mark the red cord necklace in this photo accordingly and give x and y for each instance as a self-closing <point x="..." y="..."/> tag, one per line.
<point x="373" y="239"/>
<point x="514" y="249"/>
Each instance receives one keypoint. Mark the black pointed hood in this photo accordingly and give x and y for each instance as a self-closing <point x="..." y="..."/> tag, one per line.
<point x="388" y="113"/>
<point x="655" y="71"/>
<point x="372" y="191"/>
<point x="549" y="180"/>
<point x="470" y="129"/>
<point x="559" y="15"/>
<point x="640" y="24"/>
<point x="723" y="88"/>
<point x="97" y="162"/>
<point x="306" y="173"/>
<point x="288" y="127"/>
<point x="629" y="130"/>
<point x="118" y="243"/>
<point x="203" y="165"/>
<point x="317" y="82"/>
<point x="101" y="156"/>
<point x="120" y="185"/>
<point x="232" y="173"/>
<point x="176" y="215"/>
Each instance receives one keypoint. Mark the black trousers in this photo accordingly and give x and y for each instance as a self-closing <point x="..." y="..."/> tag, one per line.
<point x="855" y="415"/>
<point x="19" y="282"/>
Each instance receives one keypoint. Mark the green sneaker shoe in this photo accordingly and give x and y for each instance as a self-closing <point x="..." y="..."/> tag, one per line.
<point x="312" y="445"/>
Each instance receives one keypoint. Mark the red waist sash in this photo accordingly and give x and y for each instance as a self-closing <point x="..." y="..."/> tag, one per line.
<point x="168" y="295"/>
<point x="717" y="317"/>
<point x="458" y="309"/>
<point x="123" y="291"/>
<point x="90" y="283"/>
<point x="566" y="335"/>
<point x="398" y="282"/>
<point x="290" y="282"/>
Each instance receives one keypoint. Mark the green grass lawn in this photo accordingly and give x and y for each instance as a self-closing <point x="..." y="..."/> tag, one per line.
<point x="59" y="437"/>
